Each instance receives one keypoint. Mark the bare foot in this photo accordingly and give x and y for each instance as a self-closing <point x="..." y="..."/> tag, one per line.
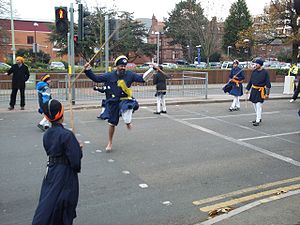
<point x="108" y="147"/>
<point x="129" y="126"/>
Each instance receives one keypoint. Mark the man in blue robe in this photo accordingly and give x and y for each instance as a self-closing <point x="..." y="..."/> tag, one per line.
<point x="260" y="89"/>
<point x="121" y="101"/>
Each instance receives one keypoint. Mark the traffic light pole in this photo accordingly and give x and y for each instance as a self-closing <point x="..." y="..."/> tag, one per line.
<point x="106" y="44"/>
<point x="72" y="53"/>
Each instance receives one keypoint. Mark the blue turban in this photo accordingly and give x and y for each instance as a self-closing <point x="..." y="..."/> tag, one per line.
<point x="259" y="61"/>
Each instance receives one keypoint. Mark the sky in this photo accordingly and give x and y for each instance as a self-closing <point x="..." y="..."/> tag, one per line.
<point x="44" y="9"/>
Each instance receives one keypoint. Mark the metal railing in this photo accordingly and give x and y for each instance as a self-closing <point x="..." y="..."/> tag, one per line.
<point x="190" y="84"/>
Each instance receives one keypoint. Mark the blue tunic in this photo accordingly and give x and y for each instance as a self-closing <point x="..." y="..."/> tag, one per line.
<point x="239" y="75"/>
<point x="60" y="188"/>
<point x="258" y="78"/>
<point x="115" y="105"/>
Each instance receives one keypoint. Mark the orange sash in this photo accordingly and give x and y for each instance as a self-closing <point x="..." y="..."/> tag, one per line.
<point x="261" y="89"/>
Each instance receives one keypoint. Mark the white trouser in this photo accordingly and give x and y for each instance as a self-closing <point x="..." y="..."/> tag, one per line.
<point x="161" y="101"/>
<point x="127" y="116"/>
<point x="258" y="110"/>
<point x="236" y="102"/>
<point x="44" y="122"/>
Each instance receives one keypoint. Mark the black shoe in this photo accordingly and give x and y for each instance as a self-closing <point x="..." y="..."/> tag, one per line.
<point x="11" y="108"/>
<point x="41" y="127"/>
<point x="254" y="121"/>
<point x="231" y="109"/>
<point x="236" y="109"/>
<point x="158" y="113"/>
<point x="164" y="112"/>
<point x="255" y="124"/>
<point x="46" y="127"/>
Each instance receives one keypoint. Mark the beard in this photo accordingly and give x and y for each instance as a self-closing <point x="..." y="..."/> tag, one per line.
<point x="121" y="73"/>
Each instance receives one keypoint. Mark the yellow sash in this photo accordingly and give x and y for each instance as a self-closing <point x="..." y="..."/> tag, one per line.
<point x="128" y="91"/>
<point x="261" y="89"/>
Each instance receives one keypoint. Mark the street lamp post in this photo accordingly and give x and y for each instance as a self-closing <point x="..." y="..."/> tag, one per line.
<point x="199" y="53"/>
<point x="228" y="50"/>
<point x="247" y="51"/>
<point x="157" y="53"/>
<point x="35" y="24"/>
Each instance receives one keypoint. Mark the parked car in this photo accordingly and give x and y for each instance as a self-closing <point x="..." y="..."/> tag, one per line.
<point x="4" y="66"/>
<point x="214" y="65"/>
<point x="169" y="65"/>
<point x="145" y="65"/>
<point x="56" y="66"/>
<point x="182" y="62"/>
<point x="130" y="65"/>
<point x="227" y="65"/>
<point x="202" y="65"/>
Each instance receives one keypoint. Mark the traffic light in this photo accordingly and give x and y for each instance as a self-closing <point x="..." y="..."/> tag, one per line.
<point x="61" y="20"/>
<point x="82" y="23"/>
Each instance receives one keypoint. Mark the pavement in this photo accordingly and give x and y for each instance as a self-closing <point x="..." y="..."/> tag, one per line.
<point x="215" y="95"/>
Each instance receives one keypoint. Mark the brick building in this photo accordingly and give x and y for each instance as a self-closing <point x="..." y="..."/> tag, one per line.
<point x="25" y="34"/>
<point x="167" y="52"/>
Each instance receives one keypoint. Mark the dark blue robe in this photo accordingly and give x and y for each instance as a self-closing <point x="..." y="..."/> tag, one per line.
<point x="60" y="188"/>
<point x="237" y="90"/>
<point x="258" y="78"/>
<point x="114" y="105"/>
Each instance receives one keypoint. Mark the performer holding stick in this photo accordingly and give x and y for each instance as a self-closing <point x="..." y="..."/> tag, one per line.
<point x="260" y="88"/>
<point x="121" y="102"/>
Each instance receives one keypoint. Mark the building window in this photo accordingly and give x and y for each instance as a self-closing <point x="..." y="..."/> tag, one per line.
<point x="29" y="39"/>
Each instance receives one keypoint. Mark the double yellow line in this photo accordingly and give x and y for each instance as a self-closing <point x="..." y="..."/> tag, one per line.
<point x="248" y="197"/>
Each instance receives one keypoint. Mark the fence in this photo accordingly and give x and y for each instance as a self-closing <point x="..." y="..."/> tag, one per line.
<point x="190" y="84"/>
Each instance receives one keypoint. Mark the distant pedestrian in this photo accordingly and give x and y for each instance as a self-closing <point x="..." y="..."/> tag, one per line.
<point x="44" y="95"/>
<point x="293" y="71"/>
<point x="159" y="79"/>
<point x="260" y="85"/>
<point x="235" y="85"/>
<point x="60" y="188"/>
<point x="20" y="76"/>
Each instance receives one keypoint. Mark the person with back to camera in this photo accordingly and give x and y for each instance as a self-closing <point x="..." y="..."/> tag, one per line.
<point x="260" y="85"/>
<point x="20" y="76"/>
<point x="60" y="187"/>
<point x="121" y="102"/>
<point x="293" y="71"/>
<point x="159" y="79"/>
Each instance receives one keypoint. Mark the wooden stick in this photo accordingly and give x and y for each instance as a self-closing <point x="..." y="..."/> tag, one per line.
<point x="110" y="36"/>
<point x="73" y="82"/>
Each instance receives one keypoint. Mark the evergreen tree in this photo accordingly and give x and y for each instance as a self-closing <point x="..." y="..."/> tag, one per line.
<point x="239" y="19"/>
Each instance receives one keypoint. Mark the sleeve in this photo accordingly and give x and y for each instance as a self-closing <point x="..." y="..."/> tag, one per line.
<point x="138" y="78"/>
<point x="249" y="84"/>
<point x="10" y="71"/>
<point x="268" y="83"/>
<point x="27" y="74"/>
<point x="155" y="79"/>
<point x="93" y="77"/>
<point x="73" y="151"/>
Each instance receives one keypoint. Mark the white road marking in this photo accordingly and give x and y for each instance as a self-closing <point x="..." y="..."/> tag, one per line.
<point x="268" y="136"/>
<point x="143" y="185"/>
<point x="235" y="141"/>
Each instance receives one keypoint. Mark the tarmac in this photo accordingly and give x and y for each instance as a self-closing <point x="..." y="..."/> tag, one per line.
<point x="270" y="211"/>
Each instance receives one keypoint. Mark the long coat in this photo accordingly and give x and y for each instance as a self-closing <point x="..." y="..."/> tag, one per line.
<point x="60" y="188"/>
<point x="20" y="75"/>
<point x="237" y="90"/>
<point x="259" y="78"/>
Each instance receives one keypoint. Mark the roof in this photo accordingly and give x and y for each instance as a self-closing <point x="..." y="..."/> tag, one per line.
<point x="26" y="25"/>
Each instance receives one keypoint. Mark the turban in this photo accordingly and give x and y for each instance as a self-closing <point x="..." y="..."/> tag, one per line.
<point x="121" y="60"/>
<point x="20" y="58"/>
<point x="53" y="110"/>
<point x="259" y="61"/>
<point x="45" y="77"/>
